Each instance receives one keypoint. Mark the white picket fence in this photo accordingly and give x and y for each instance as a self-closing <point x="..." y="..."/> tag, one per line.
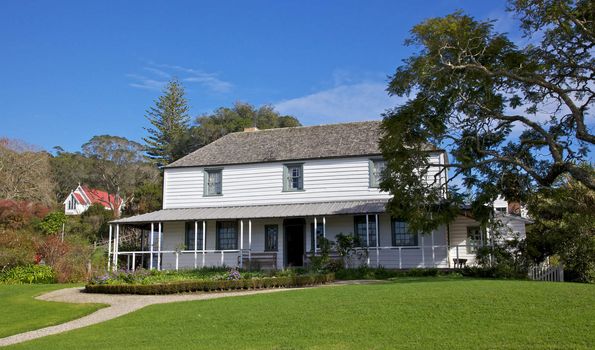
<point x="547" y="272"/>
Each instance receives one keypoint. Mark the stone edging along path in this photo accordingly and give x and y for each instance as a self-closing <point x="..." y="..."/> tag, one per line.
<point x="118" y="305"/>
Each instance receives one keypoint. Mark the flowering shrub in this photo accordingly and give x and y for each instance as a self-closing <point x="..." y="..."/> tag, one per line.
<point x="234" y="274"/>
<point x="28" y="274"/>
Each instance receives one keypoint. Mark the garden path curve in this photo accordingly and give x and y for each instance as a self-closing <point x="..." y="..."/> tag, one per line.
<point x="118" y="305"/>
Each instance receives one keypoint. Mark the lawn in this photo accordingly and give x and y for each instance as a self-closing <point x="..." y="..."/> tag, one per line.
<point x="427" y="313"/>
<point x="19" y="312"/>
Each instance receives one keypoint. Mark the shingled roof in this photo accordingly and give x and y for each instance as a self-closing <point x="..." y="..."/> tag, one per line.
<point x="284" y="144"/>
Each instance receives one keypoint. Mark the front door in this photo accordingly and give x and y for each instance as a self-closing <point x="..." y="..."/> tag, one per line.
<point x="294" y="243"/>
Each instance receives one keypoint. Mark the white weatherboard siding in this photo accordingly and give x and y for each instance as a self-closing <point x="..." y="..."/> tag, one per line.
<point x="262" y="183"/>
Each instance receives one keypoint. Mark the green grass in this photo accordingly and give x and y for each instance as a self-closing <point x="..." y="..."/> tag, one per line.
<point x="428" y="313"/>
<point x="20" y="312"/>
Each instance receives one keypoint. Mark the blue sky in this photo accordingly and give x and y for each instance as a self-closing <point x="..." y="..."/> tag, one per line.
<point x="73" y="69"/>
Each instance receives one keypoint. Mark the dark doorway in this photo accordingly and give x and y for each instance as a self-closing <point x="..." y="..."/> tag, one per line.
<point x="294" y="242"/>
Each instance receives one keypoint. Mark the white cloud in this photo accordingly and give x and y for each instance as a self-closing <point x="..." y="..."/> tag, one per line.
<point x="348" y="102"/>
<point x="157" y="75"/>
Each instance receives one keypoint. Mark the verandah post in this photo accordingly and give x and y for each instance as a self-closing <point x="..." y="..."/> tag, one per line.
<point x="133" y="261"/>
<point x="315" y="235"/>
<point x="159" y="233"/>
<point x="116" y="246"/>
<point x="195" y="242"/>
<point x="204" y="241"/>
<point x="151" y="246"/>
<point x="241" y="243"/>
<point x="250" y="242"/>
<point x="367" y="239"/>
<point x="423" y="253"/>
<point x="109" y="248"/>
<point x="377" y="243"/>
<point x="433" y="251"/>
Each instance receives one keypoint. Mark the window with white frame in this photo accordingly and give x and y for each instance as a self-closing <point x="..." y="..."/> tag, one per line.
<point x="377" y="167"/>
<point x="401" y="234"/>
<point x="293" y="177"/>
<point x="360" y="230"/>
<point x="213" y="182"/>
<point x="474" y="238"/>
<point x="227" y="235"/>
<point x="189" y="239"/>
<point x="271" y="237"/>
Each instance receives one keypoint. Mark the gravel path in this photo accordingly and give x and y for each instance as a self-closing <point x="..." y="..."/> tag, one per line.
<point x="119" y="305"/>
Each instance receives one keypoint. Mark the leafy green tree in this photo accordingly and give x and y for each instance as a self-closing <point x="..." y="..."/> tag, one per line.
<point x="53" y="222"/>
<point x="564" y="226"/>
<point x="242" y="115"/>
<point x="69" y="170"/>
<point x="119" y="166"/>
<point x="147" y="198"/>
<point x="513" y="118"/>
<point x="167" y="140"/>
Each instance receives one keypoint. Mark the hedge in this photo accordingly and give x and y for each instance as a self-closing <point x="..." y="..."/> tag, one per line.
<point x="210" y="286"/>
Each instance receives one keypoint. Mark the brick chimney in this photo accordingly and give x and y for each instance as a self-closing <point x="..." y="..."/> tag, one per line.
<point x="251" y="129"/>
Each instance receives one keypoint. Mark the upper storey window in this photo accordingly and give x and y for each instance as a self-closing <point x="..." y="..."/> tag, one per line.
<point x="213" y="182"/>
<point x="293" y="175"/>
<point x="377" y="167"/>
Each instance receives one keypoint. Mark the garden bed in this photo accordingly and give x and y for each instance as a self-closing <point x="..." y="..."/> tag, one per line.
<point x="155" y="282"/>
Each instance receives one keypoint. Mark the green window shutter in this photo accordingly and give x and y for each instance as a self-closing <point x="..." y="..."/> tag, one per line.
<point x="372" y="177"/>
<point x="285" y="178"/>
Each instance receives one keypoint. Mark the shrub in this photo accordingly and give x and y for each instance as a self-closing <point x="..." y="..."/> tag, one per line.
<point x="365" y="273"/>
<point x="210" y="285"/>
<point x="17" y="248"/>
<point x="28" y="274"/>
<point x="53" y="222"/>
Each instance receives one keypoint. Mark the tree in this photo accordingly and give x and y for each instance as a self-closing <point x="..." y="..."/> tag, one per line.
<point x="169" y="119"/>
<point x="24" y="173"/>
<point x="119" y="167"/>
<point x="513" y="118"/>
<point x="564" y="226"/>
<point x="242" y="115"/>
<point x="69" y="170"/>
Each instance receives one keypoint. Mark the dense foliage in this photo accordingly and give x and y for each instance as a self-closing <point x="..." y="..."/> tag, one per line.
<point x="513" y="118"/>
<point x="565" y="228"/>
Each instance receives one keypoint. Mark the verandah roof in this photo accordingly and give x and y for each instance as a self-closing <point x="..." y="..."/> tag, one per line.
<point x="259" y="211"/>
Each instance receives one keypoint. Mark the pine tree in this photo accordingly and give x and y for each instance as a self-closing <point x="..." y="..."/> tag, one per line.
<point x="170" y="123"/>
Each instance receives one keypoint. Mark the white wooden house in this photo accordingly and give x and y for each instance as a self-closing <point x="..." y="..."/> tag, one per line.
<point x="268" y="196"/>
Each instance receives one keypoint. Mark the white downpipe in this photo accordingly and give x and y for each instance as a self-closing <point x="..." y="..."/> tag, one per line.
<point x="151" y="246"/>
<point x="433" y="251"/>
<point x="109" y="248"/>
<point x="324" y="226"/>
<point x="159" y="246"/>
<point x="195" y="242"/>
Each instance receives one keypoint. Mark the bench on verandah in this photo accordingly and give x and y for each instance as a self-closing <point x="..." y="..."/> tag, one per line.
<point x="260" y="260"/>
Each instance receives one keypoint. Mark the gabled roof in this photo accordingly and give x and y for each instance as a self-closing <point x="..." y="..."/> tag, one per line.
<point x="79" y="198"/>
<point x="288" y="144"/>
<point x="100" y="197"/>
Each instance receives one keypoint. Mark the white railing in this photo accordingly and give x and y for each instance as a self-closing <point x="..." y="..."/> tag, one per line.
<point x="207" y="257"/>
<point x="547" y="272"/>
<point x="401" y="257"/>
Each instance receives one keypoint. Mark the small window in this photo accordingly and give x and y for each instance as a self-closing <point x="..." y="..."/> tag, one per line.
<point x="213" y="182"/>
<point x="401" y="234"/>
<point x="189" y="239"/>
<point x="319" y="235"/>
<point x="501" y="210"/>
<point x="360" y="230"/>
<point x="293" y="175"/>
<point x="271" y="240"/>
<point x="227" y="235"/>
<point x="474" y="238"/>
<point x="72" y="203"/>
<point x="377" y="167"/>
